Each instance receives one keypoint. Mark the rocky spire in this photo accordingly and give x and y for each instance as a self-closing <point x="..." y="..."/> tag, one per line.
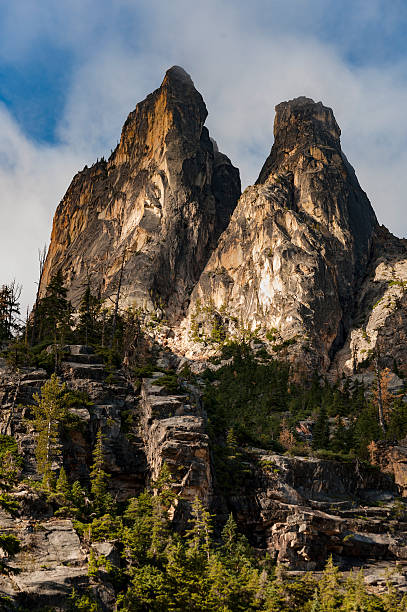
<point x="307" y="144"/>
<point x="299" y="241"/>
<point x="299" y="124"/>
<point x="163" y="198"/>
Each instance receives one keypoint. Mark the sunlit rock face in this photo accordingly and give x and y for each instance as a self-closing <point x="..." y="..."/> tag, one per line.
<point x="380" y="315"/>
<point x="301" y="255"/>
<point x="163" y="198"/>
<point x="298" y="243"/>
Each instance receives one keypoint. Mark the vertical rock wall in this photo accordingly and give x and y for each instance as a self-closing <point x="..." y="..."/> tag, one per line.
<point x="299" y="241"/>
<point x="161" y="201"/>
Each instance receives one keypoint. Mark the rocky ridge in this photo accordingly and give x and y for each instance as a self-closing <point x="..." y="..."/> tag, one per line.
<point x="296" y="249"/>
<point x="380" y="312"/>
<point x="301" y="257"/>
<point x="158" y="205"/>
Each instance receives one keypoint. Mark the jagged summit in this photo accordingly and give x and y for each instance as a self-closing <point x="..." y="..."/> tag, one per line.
<point x="300" y="124"/>
<point x="297" y="247"/>
<point x="305" y="109"/>
<point x="160" y="202"/>
<point x="178" y="74"/>
<point x="304" y="105"/>
<point x="168" y="121"/>
<point x="299" y="101"/>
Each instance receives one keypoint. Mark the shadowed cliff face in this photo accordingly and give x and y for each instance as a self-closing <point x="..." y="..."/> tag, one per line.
<point x="299" y="241"/>
<point x="161" y="201"/>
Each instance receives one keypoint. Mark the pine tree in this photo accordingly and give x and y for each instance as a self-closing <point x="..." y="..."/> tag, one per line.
<point x="329" y="588"/>
<point x="365" y="430"/>
<point x="10" y="461"/>
<point x="137" y="532"/>
<point x="9" y="310"/>
<point x="391" y="599"/>
<point x="229" y="534"/>
<point x="356" y="596"/>
<point x="102" y="500"/>
<point x="88" y="310"/>
<point x="62" y="485"/>
<point x="342" y="437"/>
<point x="54" y="312"/>
<point x="164" y="498"/>
<point x="78" y="499"/>
<point x="10" y="546"/>
<point x="320" y="432"/>
<point x="199" y="535"/>
<point x="49" y="412"/>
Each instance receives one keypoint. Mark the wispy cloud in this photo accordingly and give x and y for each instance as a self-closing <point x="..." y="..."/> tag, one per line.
<point x="244" y="58"/>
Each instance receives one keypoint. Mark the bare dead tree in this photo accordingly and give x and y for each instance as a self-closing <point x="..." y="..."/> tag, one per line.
<point x="14" y="305"/>
<point x="117" y="300"/>
<point x="380" y="409"/>
<point x="42" y="254"/>
<point x="27" y="319"/>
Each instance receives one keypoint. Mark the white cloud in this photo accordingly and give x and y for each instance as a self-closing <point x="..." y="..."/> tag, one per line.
<point x="244" y="58"/>
<point x="32" y="180"/>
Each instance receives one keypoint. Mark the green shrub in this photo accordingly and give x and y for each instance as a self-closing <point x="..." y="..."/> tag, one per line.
<point x="170" y="383"/>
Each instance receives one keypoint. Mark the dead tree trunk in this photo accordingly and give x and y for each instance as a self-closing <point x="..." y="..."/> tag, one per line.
<point x="116" y="304"/>
<point x="382" y="422"/>
<point x="41" y="259"/>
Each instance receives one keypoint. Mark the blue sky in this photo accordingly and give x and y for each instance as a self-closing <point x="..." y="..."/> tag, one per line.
<point x="70" y="71"/>
<point x="38" y="67"/>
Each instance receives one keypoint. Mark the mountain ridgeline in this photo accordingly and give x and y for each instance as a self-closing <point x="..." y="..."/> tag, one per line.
<point x="163" y="218"/>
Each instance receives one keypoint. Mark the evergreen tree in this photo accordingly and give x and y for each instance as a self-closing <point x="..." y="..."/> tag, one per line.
<point x="163" y="499"/>
<point x="391" y="599"/>
<point x="356" y="597"/>
<point x="229" y="535"/>
<point x="78" y="499"/>
<point x="365" y="430"/>
<point x="320" y="432"/>
<point x="10" y="461"/>
<point x="62" y="486"/>
<point x="49" y="412"/>
<point x="54" y="312"/>
<point x="342" y="437"/>
<point x="199" y="535"/>
<point x="148" y="592"/>
<point x="9" y="310"/>
<point x="102" y="500"/>
<point x="397" y="422"/>
<point x="89" y="309"/>
<point x="329" y="594"/>
<point x="137" y="532"/>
